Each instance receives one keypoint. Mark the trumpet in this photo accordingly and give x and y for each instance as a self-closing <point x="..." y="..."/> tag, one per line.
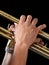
<point x="41" y="50"/>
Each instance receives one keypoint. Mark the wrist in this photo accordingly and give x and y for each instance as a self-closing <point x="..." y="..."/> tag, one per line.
<point x="21" y="45"/>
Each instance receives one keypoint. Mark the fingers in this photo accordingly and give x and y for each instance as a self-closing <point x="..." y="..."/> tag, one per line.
<point x="22" y="19"/>
<point x="28" y="20"/>
<point x="41" y="27"/>
<point x="34" y="22"/>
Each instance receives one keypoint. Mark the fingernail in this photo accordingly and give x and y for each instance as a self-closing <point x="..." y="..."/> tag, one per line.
<point x="15" y="23"/>
<point x="36" y="19"/>
<point x="44" y="25"/>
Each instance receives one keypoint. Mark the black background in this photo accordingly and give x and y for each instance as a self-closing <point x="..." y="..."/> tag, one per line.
<point x="39" y="9"/>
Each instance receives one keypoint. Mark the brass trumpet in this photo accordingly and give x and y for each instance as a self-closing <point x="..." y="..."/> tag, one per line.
<point x="43" y="51"/>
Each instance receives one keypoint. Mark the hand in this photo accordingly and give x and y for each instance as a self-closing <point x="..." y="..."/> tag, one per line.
<point x="26" y="31"/>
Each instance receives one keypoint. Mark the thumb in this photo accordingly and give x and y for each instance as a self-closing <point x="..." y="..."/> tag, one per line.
<point x="12" y="28"/>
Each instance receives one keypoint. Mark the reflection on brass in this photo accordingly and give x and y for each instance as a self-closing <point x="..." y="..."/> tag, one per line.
<point x="43" y="51"/>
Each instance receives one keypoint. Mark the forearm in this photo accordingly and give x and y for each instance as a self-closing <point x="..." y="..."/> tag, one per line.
<point x="19" y="55"/>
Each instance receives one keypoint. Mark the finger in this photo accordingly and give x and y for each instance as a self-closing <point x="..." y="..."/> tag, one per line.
<point x="28" y="20"/>
<point x="22" y="19"/>
<point x="42" y="43"/>
<point x="34" y="22"/>
<point x="15" y="24"/>
<point x="41" y="27"/>
<point x="37" y="40"/>
<point x="12" y="28"/>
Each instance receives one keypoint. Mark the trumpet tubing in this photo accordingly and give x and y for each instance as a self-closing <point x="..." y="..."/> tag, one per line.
<point x="16" y="20"/>
<point x="8" y="16"/>
<point x="44" y="51"/>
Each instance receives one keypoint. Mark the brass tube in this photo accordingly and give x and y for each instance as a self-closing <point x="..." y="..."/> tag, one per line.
<point x="8" y="16"/>
<point x="43" y="51"/>
<point x="5" y="35"/>
<point x="44" y="34"/>
<point x="4" y="30"/>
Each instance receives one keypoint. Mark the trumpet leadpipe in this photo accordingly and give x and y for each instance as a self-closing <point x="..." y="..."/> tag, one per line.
<point x="8" y="16"/>
<point x="5" y="31"/>
<point x="6" y="36"/>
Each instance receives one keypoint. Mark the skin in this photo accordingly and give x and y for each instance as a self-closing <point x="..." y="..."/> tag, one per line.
<point x="25" y="35"/>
